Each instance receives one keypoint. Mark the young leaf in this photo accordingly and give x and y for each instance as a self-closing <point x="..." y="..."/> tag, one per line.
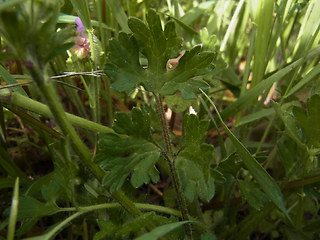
<point x="125" y="70"/>
<point x="31" y="207"/>
<point x="230" y="165"/>
<point x="136" y="124"/>
<point x="194" y="131"/>
<point x="252" y="194"/>
<point x="195" y="178"/>
<point x="158" y="46"/>
<point x="193" y="163"/>
<point x="121" y="155"/>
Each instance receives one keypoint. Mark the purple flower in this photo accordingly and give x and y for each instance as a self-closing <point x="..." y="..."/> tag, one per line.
<point x="82" y="47"/>
<point x="80" y="27"/>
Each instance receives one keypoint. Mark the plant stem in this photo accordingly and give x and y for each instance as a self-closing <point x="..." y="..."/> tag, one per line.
<point x="48" y="91"/>
<point x="16" y="99"/>
<point x="164" y="125"/>
<point x="168" y="156"/>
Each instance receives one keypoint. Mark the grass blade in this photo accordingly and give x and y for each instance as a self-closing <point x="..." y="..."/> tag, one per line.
<point x="82" y="9"/>
<point x="265" y="181"/>
<point x="308" y="29"/>
<point x="263" y="15"/>
<point x="13" y="211"/>
<point x="184" y="26"/>
<point x="65" y="18"/>
<point x="310" y="76"/>
<point x="255" y="116"/>
<point x="119" y="14"/>
<point x="56" y="229"/>
<point x="9" y="166"/>
<point x="253" y="93"/>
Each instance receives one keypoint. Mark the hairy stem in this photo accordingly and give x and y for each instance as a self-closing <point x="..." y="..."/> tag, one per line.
<point x="169" y="157"/>
<point x="164" y="125"/>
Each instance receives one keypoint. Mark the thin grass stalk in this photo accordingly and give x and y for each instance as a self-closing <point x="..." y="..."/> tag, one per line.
<point x="13" y="211"/>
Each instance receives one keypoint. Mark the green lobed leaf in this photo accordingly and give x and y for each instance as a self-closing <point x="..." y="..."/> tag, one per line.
<point x="193" y="163"/>
<point x="136" y="124"/>
<point x="31" y="207"/>
<point x="230" y="165"/>
<point x="178" y="104"/>
<point x="252" y="194"/>
<point x="130" y="153"/>
<point x="194" y="131"/>
<point x="126" y="71"/>
<point x="123" y="155"/>
<point x="158" y="45"/>
<point x="183" y="78"/>
<point x="194" y="182"/>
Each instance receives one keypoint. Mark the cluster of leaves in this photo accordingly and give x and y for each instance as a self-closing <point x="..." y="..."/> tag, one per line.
<point x="157" y="46"/>
<point x="21" y="32"/>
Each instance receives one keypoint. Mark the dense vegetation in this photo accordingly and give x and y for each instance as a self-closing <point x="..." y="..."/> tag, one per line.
<point x="146" y="119"/>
